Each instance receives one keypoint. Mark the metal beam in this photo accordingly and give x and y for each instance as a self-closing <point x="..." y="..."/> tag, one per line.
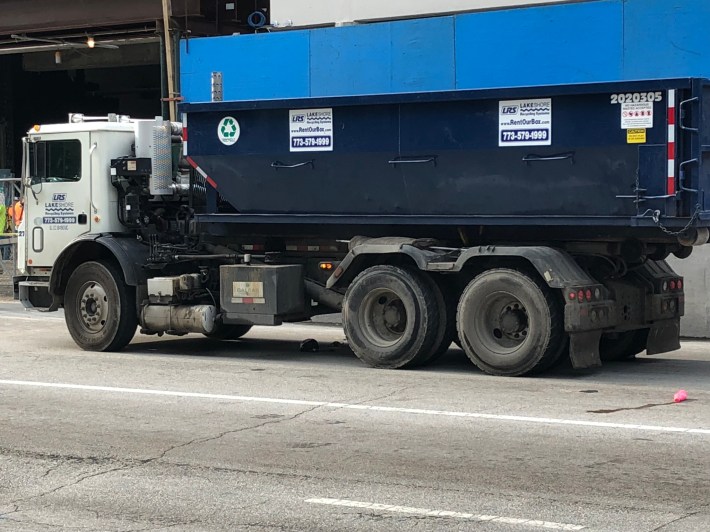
<point x="20" y="16"/>
<point x="169" y="59"/>
<point x="132" y="53"/>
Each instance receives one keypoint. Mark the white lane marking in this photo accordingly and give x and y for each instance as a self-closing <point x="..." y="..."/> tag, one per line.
<point x="550" y="525"/>
<point x="27" y="318"/>
<point x="21" y="318"/>
<point x="370" y="408"/>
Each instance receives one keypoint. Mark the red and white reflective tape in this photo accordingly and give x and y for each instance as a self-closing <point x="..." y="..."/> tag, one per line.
<point x="184" y="135"/>
<point x="200" y="171"/>
<point x="671" y="185"/>
<point x="253" y="247"/>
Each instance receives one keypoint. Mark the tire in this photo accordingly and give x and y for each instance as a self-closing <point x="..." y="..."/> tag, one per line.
<point x="228" y="332"/>
<point x="447" y="321"/>
<point x="391" y="317"/>
<point x="99" y="308"/>
<point x="623" y="346"/>
<point x="509" y="324"/>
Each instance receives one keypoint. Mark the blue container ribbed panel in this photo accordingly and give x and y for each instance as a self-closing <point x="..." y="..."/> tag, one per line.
<point x="351" y="60"/>
<point x="666" y="38"/>
<point x="407" y="56"/>
<point x="429" y="42"/>
<point x="594" y="41"/>
<point x="571" y="43"/>
<point x="254" y="67"/>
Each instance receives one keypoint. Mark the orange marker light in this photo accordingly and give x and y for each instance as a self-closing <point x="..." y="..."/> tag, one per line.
<point x="37" y="127"/>
<point x="327" y="266"/>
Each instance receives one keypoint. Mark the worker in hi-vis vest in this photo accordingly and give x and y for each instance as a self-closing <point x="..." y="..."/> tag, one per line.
<point x="4" y="219"/>
<point x="16" y="210"/>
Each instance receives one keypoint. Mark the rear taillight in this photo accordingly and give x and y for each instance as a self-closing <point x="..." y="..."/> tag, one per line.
<point x="672" y="285"/>
<point x="585" y="295"/>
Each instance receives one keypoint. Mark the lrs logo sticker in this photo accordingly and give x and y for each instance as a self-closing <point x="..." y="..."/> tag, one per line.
<point x="525" y="123"/>
<point x="229" y="131"/>
<point x="311" y="130"/>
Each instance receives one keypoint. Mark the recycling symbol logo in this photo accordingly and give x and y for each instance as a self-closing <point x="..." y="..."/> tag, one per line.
<point x="228" y="131"/>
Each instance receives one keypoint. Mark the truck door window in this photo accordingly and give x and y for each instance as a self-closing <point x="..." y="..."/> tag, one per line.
<point x="55" y="161"/>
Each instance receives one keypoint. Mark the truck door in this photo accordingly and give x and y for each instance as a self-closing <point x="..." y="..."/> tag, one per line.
<point x="58" y="200"/>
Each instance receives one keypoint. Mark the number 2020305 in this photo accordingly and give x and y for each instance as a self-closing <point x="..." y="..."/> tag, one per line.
<point x="637" y="97"/>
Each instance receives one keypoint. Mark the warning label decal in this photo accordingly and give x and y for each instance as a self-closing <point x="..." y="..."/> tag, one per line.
<point x="637" y="115"/>
<point x="636" y="136"/>
<point x="525" y="123"/>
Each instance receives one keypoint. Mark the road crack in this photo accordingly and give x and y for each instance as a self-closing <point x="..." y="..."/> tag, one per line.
<point x="203" y="440"/>
<point x="141" y="463"/>
<point x="676" y="520"/>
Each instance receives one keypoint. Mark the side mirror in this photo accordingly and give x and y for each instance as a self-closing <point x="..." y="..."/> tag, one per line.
<point x="38" y="163"/>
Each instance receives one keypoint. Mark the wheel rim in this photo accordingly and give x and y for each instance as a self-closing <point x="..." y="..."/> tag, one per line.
<point x="383" y="317"/>
<point x="501" y="323"/>
<point x="93" y="307"/>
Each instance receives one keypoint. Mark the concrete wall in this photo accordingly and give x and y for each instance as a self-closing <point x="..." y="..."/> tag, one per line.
<point x="322" y="12"/>
<point x="696" y="272"/>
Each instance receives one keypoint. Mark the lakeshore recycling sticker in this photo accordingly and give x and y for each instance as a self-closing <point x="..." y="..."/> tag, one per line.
<point x="228" y="131"/>
<point x="525" y="123"/>
<point x="311" y="130"/>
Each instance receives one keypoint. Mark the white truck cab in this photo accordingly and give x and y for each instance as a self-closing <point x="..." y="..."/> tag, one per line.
<point x="67" y="188"/>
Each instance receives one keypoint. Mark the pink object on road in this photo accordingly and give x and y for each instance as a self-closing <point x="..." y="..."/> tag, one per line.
<point x="680" y="396"/>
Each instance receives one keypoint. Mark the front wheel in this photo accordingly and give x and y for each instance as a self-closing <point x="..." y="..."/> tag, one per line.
<point x="509" y="324"/>
<point x="99" y="308"/>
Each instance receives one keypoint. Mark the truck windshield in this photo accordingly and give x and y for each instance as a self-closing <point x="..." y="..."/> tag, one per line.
<point x="55" y="161"/>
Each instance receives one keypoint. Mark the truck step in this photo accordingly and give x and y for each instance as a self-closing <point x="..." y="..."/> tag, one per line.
<point x="35" y="295"/>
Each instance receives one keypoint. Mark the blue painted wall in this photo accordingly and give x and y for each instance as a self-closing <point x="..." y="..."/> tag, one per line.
<point x="603" y="40"/>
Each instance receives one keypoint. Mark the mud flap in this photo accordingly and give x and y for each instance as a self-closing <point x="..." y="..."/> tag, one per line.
<point x="584" y="350"/>
<point x="664" y="337"/>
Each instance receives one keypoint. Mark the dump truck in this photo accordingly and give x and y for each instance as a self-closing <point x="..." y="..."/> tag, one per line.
<point x="525" y="224"/>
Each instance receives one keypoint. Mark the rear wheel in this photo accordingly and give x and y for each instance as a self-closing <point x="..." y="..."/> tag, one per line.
<point x="622" y="346"/>
<point x="447" y="321"/>
<point x="391" y="317"/>
<point x="228" y="332"/>
<point x="99" y="308"/>
<point x="509" y="324"/>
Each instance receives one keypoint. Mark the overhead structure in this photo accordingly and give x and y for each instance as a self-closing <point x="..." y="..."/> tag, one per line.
<point x="57" y="15"/>
<point x="50" y="25"/>
<point x="110" y="57"/>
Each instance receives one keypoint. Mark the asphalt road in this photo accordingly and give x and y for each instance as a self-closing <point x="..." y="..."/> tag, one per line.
<point x="189" y="434"/>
